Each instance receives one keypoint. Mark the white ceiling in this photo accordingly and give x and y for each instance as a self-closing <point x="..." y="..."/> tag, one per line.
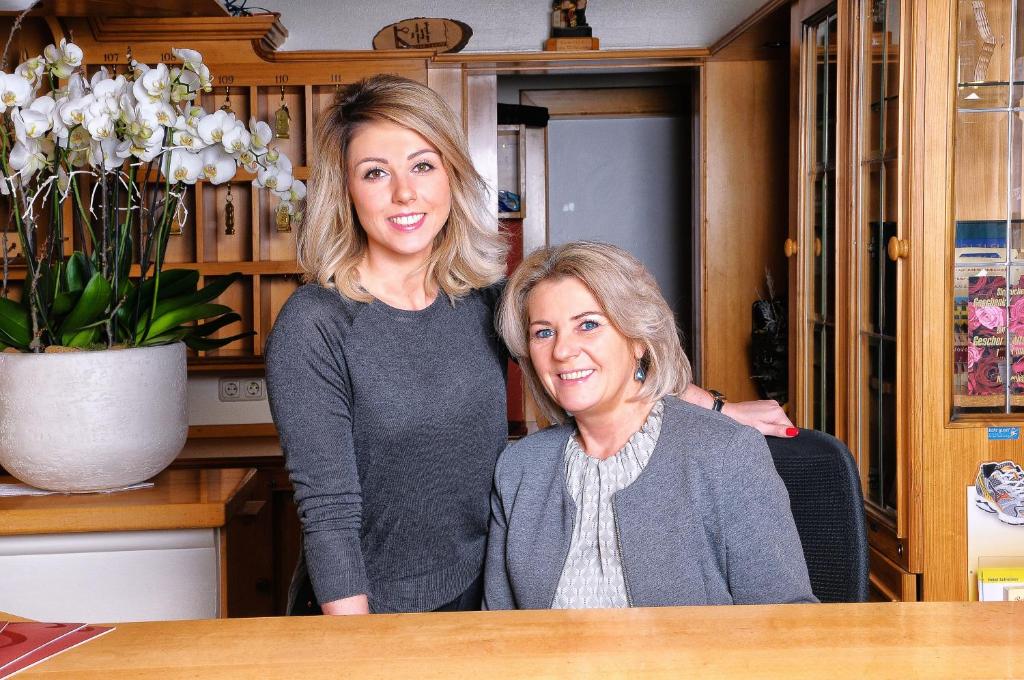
<point x="510" y="26"/>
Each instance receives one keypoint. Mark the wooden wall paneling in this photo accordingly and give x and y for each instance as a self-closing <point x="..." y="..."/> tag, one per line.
<point x="606" y="102"/>
<point x="482" y="127"/>
<point x="262" y="329"/>
<point x="181" y="244"/>
<point x="448" y="82"/>
<point x="200" y="214"/>
<point x="744" y="108"/>
<point x="947" y="454"/>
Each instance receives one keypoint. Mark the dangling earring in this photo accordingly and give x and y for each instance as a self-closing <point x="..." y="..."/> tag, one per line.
<point x="640" y="374"/>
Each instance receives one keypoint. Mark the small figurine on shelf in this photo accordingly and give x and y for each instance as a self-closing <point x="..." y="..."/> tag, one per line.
<point x="283" y="217"/>
<point x="282" y="119"/>
<point x="569" y="19"/>
<point x="569" y="27"/>
<point x="229" y="214"/>
<point x="226" y="106"/>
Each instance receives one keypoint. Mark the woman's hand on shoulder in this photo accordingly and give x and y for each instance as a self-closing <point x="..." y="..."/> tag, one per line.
<point x="357" y="604"/>
<point x="765" y="416"/>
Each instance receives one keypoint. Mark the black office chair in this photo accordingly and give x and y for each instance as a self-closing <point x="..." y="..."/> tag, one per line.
<point x="824" y="494"/>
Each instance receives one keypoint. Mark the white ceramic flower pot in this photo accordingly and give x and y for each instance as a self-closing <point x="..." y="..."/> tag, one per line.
<point x="86" y="421"/>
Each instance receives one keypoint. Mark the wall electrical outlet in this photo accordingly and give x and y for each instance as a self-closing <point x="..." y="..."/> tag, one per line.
<point x="242" y="389"/>
<point x="254" y="389"/>
<point x="229" y="389"/>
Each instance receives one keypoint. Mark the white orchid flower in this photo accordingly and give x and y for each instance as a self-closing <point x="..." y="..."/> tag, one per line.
<point x="274" y="177"/>
<point x="79" y="145"/>
<point x="182" y="165"/>
<point x="38" y="117"/>
<point x="218" y="166"/>
<point x="213" y="126"/>
<point x="154" y="85"/>
<point x="185" y="85"/>
<point x="165" y="114"/>
<point x="109" y="88"/>
<point x="192" y="117"/>
<point x="70" y="53"/>
<point x="32" y="71"/>
<point x="262" y="135"/>
<point x="236" y="139"/>
<point x="142" y="125"/>
<point x="145" y="150"/>
<point x="63" y="59"/>
<point x="273" y="155"/>
<point x="104" y="154"/>
<point x="205" y="78"/>
<point x="100" y="127"/>
<point x="191" y="59"/>
<point x="296" y="192"/>
<point x="247" y="159"/>
<point x="137" y="69"/>
<point x="77" y="86"/>
<point x="59" y="130"/>
<point x="188" y="140"/>
<point x="72" y="111"/>
<point x="29" y="157"/>
<point x="14" y="91"/>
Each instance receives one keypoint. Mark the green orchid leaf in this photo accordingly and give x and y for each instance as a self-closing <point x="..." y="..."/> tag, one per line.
<point x="206" y="329"/>
<point x="78" y="271"/>
<point x="206" y="294"/>
<point x="179" y="316"/>
<point x="65" y="302"/>
<point x="15" y="324"/>
<point x="213" y="290"/>
<point x="167" y="338"/>
<point x="205" y="344"/>
<point x="82" y="339"/>
<point x="91" y="306"/>
<point x="175" y="282"/>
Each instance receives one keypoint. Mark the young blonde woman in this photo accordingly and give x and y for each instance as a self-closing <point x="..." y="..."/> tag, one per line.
<point x="385" y="375"/>
<point x="637" y="498"/>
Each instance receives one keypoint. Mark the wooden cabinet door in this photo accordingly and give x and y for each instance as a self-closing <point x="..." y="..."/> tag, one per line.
<point x="817" y="80"/>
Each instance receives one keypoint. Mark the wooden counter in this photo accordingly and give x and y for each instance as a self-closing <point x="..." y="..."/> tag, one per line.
<point x="891" y="640"/>
<point x="194" y="545"/>
<point x="180" y="499"/>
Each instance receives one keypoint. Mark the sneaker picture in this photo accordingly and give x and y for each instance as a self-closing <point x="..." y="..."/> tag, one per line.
<point x="1000" y="490"/>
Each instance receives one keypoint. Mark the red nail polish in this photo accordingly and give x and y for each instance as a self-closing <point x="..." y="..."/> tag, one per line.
<point x="792" y="432"/>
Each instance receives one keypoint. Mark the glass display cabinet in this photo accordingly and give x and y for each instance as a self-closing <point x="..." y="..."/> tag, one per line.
<point x="988" y="248"/>
<point x="814" y="246"/>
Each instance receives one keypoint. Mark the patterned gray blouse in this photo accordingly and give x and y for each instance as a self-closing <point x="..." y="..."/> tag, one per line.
<point x="592" y="576"/>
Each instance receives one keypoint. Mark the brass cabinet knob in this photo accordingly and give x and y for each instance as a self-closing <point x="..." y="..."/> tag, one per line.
<point x="898" y="248"/>
<point x="817" y="247"/>
<point x="789" y="247"/>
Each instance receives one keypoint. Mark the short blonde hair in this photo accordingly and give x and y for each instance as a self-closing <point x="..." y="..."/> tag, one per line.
<point x="468" y="252"/>
<point x="629" y="297"/>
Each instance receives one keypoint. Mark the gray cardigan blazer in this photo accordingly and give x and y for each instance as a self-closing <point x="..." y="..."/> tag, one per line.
<point x="706" y="522"/>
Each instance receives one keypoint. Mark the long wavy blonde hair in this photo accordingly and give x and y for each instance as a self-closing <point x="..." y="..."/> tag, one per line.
<point x="467" y="253"/>
<point x="630" y="298"/>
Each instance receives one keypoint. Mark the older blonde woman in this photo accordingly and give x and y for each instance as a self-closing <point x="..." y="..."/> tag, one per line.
<point x="385" y="376"/>
<point x="636" y="498"/>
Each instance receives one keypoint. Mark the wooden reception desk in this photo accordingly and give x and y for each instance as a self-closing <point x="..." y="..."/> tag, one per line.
<point x="891" y="640"/>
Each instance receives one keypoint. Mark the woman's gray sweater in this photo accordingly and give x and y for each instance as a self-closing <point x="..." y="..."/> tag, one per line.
<point x="391" y="422"/>
<point x="706" y="522"/>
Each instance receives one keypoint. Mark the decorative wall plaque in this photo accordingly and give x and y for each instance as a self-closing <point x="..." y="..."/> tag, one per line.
<point x="443" y="35"/>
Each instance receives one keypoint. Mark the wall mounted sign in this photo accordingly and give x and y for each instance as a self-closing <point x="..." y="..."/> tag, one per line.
<point x="1003" y="433"/>
<point x="443" y="35"/>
